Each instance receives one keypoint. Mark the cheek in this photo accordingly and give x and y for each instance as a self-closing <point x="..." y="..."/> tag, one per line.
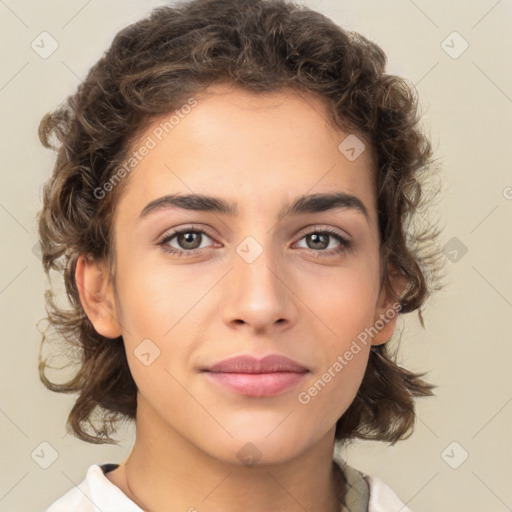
<point x="344" y="309"/>
<point x="344" y="300"/>
<point x="160" y="306"/>
<point x="156" y="296"/>
<point x="329" y="393"/>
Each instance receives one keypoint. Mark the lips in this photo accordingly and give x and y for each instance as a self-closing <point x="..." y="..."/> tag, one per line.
<point x="252" y="377"/>
<point x="249" y="364"/>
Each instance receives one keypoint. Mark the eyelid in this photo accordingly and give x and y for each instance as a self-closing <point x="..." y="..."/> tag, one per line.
<point x="171" y="233"/>
<point x="345" y="242"/>
<point x="314" y="228"/>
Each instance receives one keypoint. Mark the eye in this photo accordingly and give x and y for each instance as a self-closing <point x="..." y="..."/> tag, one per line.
<point x="319" y="241"/>
<point x="189" y="241"/>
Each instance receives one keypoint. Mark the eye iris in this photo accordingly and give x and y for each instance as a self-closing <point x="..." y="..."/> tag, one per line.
<point x="316" y="237"/>
<point x="185" y="239"/>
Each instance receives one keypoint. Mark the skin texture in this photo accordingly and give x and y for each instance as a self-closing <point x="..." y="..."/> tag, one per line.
<point x="260" y="151"/>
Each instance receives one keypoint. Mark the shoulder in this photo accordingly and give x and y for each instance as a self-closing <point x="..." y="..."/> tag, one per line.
<point x="367" y="493"/>
<point x="382" y="497"/>
<point x="94" y="494"/>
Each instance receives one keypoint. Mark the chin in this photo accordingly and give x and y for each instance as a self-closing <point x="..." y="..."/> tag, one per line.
<point x="255" y="446"/>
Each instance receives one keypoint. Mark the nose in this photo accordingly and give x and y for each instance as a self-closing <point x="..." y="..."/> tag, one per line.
<point x="259" y="295"/>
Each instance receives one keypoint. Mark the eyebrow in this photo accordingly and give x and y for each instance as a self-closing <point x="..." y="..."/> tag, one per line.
<point x="313" y="203"/>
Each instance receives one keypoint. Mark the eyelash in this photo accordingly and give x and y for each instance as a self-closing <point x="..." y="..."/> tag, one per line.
<point x="344" y="246"/>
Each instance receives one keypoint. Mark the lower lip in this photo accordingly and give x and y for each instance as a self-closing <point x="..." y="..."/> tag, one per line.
<point x="257" y="384"/>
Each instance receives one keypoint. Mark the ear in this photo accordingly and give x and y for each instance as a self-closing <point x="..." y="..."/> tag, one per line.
<point x="388" y="307"/>
<point x="96" y="296"/>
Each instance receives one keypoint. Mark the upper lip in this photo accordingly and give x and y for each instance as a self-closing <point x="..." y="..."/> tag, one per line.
<point x="250" y="364"/>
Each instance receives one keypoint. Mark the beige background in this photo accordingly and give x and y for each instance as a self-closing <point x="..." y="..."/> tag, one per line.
<point x="466" y="347"/>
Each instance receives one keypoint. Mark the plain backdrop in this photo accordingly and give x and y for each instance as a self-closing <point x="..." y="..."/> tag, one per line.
<point x="459" y="457"/>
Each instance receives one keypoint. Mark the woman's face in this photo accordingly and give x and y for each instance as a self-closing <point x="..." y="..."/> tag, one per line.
<point x="247" y="281"/>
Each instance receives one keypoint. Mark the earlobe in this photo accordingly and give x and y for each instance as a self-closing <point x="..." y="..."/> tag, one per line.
<point x="96" y="297"/>
<point x="388" y="308"/>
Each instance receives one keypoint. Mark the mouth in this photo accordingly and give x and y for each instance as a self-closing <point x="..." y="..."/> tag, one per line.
<point x="252" y="377"/>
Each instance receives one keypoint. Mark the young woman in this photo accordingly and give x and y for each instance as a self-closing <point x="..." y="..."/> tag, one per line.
<point x="231" y="209"/>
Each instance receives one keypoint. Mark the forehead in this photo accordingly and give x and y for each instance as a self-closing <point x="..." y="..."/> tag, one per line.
<point x="246" y="146"/>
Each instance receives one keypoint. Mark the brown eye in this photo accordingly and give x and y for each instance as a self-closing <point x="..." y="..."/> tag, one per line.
<point x="187" y="241"/>
<point x="320" y="240"/>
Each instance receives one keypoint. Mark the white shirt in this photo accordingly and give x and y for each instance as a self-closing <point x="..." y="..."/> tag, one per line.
<point x="98" y="494"/>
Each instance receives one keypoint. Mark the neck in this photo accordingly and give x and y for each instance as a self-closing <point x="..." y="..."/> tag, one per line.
<point x="165" y="471"/>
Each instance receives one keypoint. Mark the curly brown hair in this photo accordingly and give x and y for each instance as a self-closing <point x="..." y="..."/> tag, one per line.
<point x="150" y="69"/>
